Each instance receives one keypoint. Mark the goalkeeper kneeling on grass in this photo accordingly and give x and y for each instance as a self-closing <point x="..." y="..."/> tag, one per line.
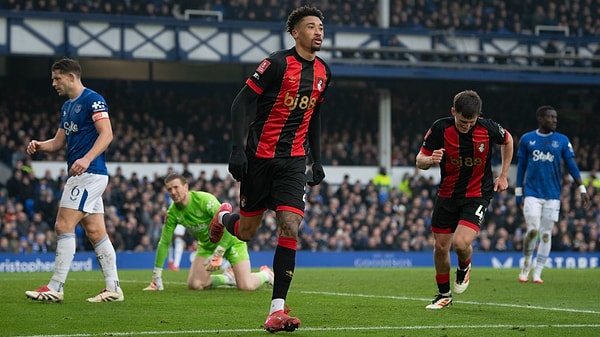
<point x="195" y="210"/>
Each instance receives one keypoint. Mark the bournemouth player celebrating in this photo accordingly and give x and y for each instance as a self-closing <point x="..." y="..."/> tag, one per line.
<point x="288" y="88"/>
<point x="462" y="146"/>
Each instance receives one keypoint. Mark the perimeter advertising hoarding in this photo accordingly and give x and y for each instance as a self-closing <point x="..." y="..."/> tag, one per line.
<point x="86" y="261"/>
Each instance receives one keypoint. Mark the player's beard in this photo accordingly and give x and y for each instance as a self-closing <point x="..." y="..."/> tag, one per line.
<point x="315" y="48"/>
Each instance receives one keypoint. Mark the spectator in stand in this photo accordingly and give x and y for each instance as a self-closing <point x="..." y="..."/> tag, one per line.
<point x="383" y="184"/>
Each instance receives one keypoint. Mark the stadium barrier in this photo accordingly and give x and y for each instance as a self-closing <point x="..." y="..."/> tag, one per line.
<point x="86" y="261"/>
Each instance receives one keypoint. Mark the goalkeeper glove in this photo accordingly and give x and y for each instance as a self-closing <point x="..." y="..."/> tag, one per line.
<point x="238" y="163"/>
<point x="215" y="261"/>
<point x="156" y="283"/>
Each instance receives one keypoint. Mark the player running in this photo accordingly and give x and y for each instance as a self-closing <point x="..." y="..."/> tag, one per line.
<point x="284" y="95"/>
<point x="462" y="146"/>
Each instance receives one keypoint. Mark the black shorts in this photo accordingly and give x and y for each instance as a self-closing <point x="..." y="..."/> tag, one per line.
<point x="275" y="183"/>
<point x="448" y="213"/>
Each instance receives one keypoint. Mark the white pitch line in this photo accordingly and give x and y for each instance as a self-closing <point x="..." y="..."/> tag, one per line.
<point x="367" y="328"/>
<point x="455" y="301"/>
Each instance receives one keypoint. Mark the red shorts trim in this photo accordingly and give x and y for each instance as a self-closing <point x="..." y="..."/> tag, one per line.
<point x="469" y="224"/>
<point x="290" y="209"/>
<point x="253" y="213"/>
<point x="441" y="230"/>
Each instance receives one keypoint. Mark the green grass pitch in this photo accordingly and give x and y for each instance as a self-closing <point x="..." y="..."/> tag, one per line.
<point x="328" y="301"/>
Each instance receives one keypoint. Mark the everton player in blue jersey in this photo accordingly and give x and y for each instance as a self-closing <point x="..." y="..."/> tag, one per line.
<point x="287" y="89"/>
<point x="539" y="182"/>
<point x="86" y="131"/>
<point x="462" y="146"/>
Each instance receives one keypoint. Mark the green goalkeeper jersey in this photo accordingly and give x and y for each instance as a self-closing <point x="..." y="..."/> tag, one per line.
<point x="195" y="217"/>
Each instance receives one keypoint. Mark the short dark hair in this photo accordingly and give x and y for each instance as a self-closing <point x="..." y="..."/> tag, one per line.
<point x="299" y="13"/>
<point x="173" y="176"/>
<point x="541" y="111"/>
<point x="467" y="103"/>
<point x="67" y="65"/>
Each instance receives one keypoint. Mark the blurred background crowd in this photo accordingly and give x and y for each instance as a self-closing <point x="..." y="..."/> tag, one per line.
<point x="582" y="17"/>
<point x="189" y="123"/>
<point x="358" y="214"/>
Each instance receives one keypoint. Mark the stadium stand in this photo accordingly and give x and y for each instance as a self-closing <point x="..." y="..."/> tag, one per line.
<point x="344" y="217"/>
<point x="579" y="18"/>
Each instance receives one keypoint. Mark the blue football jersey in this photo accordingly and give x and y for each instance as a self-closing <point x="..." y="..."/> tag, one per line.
<point x="540" y="159"/>
<point x="77" y="119"/>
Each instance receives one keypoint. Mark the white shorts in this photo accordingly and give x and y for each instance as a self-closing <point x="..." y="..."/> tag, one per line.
<point x="84" y="193"/>
<point x="534" y="208"/>
<point x="179" y="230"/>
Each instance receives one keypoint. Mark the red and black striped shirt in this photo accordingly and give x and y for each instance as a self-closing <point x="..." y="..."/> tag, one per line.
<point x="466" y="168"/>
<point x="289" y="88"/>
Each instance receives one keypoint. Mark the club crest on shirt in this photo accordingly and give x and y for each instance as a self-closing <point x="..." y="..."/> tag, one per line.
<point x="77" y="108"/>
<point x="555" y="144"/>
<point x="481" y="147"/>
<point x="320" y="82"/>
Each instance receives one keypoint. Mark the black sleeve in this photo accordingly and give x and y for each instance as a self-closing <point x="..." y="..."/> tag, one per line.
<point x="314" y="134"/>
<point x="239" y="110"/>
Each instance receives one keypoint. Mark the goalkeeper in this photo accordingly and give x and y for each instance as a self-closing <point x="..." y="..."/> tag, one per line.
<point x="194" y="210"/>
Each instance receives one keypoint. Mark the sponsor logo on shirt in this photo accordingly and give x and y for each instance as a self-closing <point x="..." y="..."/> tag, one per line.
<point x="70" y="127"/>
<point x="538" y="155"/>
<point x="97" y="106"/>
<point x="301" y="102"/>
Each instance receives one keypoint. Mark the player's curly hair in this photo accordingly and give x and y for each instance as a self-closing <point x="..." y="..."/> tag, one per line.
<point x="299" y="13"/>
<point x="467" y="103"/>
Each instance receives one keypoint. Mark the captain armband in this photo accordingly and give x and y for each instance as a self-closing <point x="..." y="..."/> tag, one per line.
<point x="518" y="191"/>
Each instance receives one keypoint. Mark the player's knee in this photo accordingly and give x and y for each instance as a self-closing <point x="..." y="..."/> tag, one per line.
<point x="532" y="233"/>
<point x="245" y="236"/>
<point x="197" y="285"/>
<point x="245" y="286"/>
<point x="546" y="237"/>
<point x="461" y="245"/>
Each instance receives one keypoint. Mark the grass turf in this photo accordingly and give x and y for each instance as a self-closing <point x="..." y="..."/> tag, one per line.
<point x="328" y="301"/>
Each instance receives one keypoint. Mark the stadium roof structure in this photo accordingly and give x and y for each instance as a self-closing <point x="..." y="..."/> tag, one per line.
<point x="351" y="52"/>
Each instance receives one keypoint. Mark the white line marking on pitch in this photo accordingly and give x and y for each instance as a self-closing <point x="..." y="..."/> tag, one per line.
<point x="465" y="302"/>
<point x="369" y="328"/>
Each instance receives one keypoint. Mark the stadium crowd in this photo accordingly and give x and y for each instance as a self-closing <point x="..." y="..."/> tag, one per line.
<point x="354" y="215"/>
<point x="582" y="17"/>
